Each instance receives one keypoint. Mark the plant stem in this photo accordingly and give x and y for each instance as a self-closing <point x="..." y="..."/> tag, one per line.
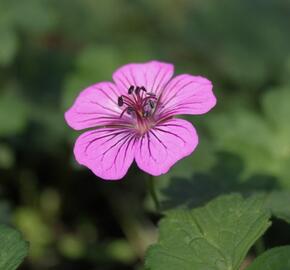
<point x="153" y="194"/>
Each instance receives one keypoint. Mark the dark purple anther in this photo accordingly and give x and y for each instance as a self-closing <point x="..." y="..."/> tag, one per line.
<point x="120" y="101"/>
<point x="130" y="110"/>
<point x="137" y="90"/>
<point x="151" y="103"/>
<point x="131" y="89"/>
<point x="146" y="114"/>
<point x="143" y="89"/>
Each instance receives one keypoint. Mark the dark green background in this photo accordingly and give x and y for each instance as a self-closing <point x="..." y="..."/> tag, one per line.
<point x="52" y="49"/>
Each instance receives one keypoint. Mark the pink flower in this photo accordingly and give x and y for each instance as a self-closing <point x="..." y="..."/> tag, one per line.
<point x="134" y="118"/>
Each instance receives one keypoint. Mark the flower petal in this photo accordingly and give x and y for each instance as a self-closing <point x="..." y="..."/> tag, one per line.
<point x="164" y="145"/>
<point x="187" y="94"/>
<point x="152" y="75"/>
<point x="96" y="105"/>
<point x="108" y="152"/>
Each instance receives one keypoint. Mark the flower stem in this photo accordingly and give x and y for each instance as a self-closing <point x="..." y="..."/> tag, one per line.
<point x="153" y="194"/>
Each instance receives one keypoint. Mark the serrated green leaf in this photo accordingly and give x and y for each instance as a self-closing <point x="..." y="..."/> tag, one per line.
<point x="13" y="248"/>
<point x="274" y="259"/>
<point x="215" y="237"/>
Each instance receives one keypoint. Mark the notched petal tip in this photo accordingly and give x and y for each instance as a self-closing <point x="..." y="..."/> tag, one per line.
<point x="153" y="75"/>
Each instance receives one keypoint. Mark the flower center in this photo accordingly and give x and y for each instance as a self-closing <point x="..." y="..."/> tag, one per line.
<point x="140" y="105"/>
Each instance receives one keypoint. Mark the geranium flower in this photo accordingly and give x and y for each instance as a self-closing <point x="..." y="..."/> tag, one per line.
<point x="134" y="119"/>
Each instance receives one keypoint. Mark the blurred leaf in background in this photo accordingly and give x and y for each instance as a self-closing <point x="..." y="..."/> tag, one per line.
<point x="13" y="249"/>
<point x="274" y="259"/>
<point x="13" y="112"/>
<point x="261" y="139"/>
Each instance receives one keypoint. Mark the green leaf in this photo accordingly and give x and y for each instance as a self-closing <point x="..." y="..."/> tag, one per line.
<point x="226" y="176"/>
<point x="13" y="248"/>
<point x="278" y="202"/>
<point x="262" y="140"/>
<point x="274" y="259"/>
<point x="215" y="237"/>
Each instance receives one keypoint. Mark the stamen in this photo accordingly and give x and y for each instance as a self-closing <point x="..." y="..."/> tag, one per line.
<point x="139" y="104"/>
<point x="131" y="89"/>
<point x="128" y="101"/>
<point x="151" y="103"/>
<point x="130" y="110"/>
<point x="137" y="90"/>
<point x="151" y="94"/>
<point x="120" y="101"/>
<point x="146" y="114"/>
<point x="143" y="89"/>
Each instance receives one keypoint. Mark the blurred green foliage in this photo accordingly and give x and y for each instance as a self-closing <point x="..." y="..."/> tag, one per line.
<point x="50" y="50"/>
<point x="13" y="249"/>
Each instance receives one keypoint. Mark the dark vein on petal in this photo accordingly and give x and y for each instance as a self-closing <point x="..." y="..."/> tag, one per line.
<point x="169" y="132"/>
<point x="127" y="147"/>
<point x="149" y="147"/>
<point x="125" y="142"/>
<point x="114" y="145"/>
<point x="125" y="86"/>
<point x="132" y="75"/>
<point x="141" y="144"/>
<point x="127" y="79"/>
<point x="178" y="108"/>
<point x="99" y="138"/>
<point x="151" y="131"/>
<point x="161" y="80"/>
<point x="106" y="94"/>
<point x="145" y="79"/>
<point x="168" y="90"/>
<point x="175" y="125"/>
<point x="113" y="90"/>
<point x="98" y="118"/>
<point x="177" y="91"/>
<point x="106" y="108"/>
<point x="155" y="78"/>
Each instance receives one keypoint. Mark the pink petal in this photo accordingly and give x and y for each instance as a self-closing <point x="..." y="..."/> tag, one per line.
<point x="108" y="152"/>
<point x="152" y="75"/>
<point x="96" y="105"/>
<point x="187" y="94"/>
<point x="164" y="145"/>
